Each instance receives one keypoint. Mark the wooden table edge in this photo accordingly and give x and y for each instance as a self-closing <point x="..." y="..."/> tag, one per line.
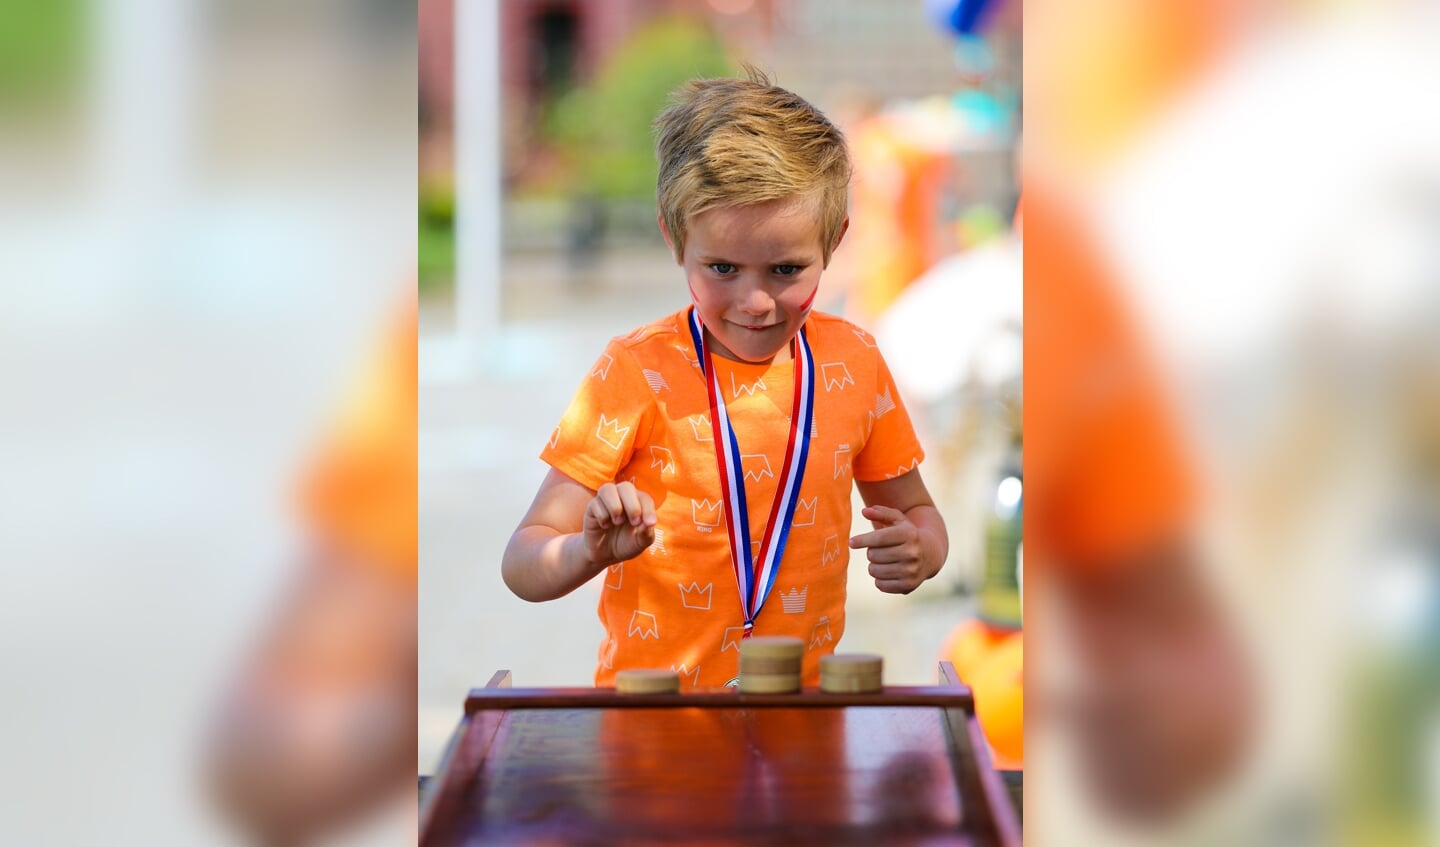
<point x="486" y="699"/>
<point x="471" y="741"/>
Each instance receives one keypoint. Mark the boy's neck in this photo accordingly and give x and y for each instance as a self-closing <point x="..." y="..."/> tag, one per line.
<point x="781" y="356"/>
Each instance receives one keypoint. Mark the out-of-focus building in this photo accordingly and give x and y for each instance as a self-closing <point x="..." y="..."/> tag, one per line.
<point x="548" y="48"/>
<point x="822" y="49"/>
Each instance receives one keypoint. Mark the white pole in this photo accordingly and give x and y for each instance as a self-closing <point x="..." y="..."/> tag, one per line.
<point x="477" y="171"/>
<point x="142" y="112"/>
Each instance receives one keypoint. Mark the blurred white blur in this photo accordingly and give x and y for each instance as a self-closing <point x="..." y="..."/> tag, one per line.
<point x="207" y="220"/>
<point x="1273" y="221"/>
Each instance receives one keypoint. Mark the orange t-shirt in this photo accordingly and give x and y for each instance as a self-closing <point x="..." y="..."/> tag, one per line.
<point x="642" y="414"/>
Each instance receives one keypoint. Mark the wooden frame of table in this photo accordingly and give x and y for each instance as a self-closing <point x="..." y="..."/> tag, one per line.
<point x="449" y="807"/>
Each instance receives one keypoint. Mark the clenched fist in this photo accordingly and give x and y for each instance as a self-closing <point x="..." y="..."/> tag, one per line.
<point x="619" y="523"/>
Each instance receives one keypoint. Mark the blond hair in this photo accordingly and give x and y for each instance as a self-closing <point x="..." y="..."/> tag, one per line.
<point x="738" y="142"/>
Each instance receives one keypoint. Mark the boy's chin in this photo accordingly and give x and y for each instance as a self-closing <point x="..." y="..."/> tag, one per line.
<point x="756" y="350"/>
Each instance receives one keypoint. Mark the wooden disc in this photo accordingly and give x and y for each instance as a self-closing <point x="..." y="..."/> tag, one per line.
<point x="769" y="683"/>
<point x="645" y="681"/>
<point x="750" y="664"/>
<point x="772" y="647"/>
<point x="851" y="684"/>
<point x="851" y="664"/>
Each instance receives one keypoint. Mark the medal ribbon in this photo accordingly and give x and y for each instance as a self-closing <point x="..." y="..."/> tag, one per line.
<point x="754" y="577"/>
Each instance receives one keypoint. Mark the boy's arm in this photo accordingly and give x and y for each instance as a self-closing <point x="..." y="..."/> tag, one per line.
<point x="572" y="533"/>
<point x="909" y="543"/>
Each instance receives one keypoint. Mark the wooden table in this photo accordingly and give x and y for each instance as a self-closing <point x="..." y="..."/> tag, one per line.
<point x="590" y="766"/>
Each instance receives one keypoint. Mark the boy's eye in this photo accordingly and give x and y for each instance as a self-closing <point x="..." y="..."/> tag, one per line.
<point x="722" y="268"/>
<point x="787" y="270"/>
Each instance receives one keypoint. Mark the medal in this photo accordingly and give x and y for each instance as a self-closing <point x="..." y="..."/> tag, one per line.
<point x="756" y="576"/>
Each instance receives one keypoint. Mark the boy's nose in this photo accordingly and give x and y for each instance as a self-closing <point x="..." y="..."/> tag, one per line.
<point x="756" y="301"/>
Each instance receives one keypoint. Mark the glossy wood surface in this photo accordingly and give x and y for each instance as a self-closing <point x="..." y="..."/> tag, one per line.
<point x="588" y="766"/>
<point x="725" y="698"/>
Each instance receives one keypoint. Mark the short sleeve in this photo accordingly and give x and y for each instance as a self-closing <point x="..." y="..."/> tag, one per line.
<point x="610" y="413"/>
<point x="893" y="449"/>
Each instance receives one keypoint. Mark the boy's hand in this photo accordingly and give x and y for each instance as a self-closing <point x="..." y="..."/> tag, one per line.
<point x="894" y="550"/>
<point x="619" y="523"/>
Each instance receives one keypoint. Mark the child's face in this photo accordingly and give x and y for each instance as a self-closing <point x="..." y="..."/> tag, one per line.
<point x="753" y="271"/>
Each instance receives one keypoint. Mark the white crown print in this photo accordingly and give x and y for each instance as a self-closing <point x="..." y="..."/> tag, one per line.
<point x="644" y="625"/>
<point x="820" y="633"/>
<point x="902" y="470"/>
<point x="842" y="460"/>
<point x="731" y="638"/>
<point x="794" y="602"/>
<point x="611" y="432"/>
<point x="814" y="426"/>
<point x="884" y="403"/>
<point x="655" y="380"/>
<point x="700" y="424"/>
<point x="705" y="514"/>
<point x="692" y="596"/>
<point x="615" y="576"/>
<point x="749" y="389"/>
<point x="836" y="376"/>
<point x="832" y="549"/>
<point x="662" y="458"/>
<point x="602" y="366"/>
<point x="685" y="354"/>
<point x="693" y="674"/>
<point x="805" y="511"/>
<point x="756" y="465"/>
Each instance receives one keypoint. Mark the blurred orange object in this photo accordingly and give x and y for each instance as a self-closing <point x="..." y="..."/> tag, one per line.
<point x="318" y="728"/>
<point x="895" y="207"/>
<point x="360" y="494"/>
<point x="969" y="644"/>
<point x="1104" y="69"/>
<point x="1161" y="695"/>
<point x="1108" y="473"/>
<point x="998" y="684"/>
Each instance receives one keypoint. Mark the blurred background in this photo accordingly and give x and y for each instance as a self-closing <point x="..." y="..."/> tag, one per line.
<point x="538" y="243"/>
<point x="206" y="224"/>
<point x="1232" y="307"/>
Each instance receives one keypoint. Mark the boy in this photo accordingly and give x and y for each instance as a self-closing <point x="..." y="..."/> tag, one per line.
<point x="704" y="466"/>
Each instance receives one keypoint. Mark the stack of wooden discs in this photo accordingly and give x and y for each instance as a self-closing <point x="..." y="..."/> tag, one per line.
<point x="770" y="665"/>
<point x="851" y="673"/>
<point x="646" y="681"/>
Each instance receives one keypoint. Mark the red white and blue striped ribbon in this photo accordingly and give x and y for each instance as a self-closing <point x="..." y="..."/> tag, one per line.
<point x="756" y="577"/>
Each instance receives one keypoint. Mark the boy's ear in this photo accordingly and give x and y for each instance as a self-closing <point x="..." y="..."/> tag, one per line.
<point x="665" y="231"/>
<point x="839" y="236"/>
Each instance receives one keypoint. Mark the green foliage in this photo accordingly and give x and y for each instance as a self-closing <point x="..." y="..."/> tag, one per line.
<point x="435" y="263"/>
<point x="437" y="202"/>
<point x="42" y="47"/>
<point x="603" y="129"/>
